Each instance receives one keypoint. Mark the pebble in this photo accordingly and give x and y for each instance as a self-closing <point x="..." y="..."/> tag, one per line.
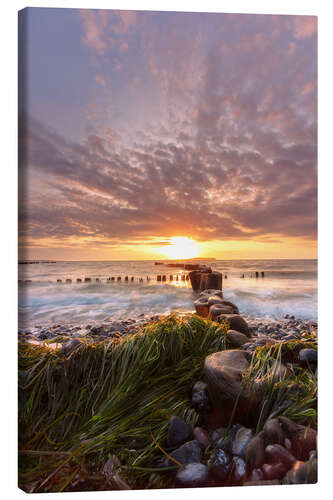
<point x="192" y="475"/>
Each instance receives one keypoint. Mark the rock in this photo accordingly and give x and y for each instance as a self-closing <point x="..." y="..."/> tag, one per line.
<point x="238" y="469"/>
<point x="235" y="322"/>
<point x="188" y="453"/>
<point x="256" y="475"/>
<point x="195" y="278"/>
<point x="276" y="471"/>
<point x="223" y="371"/>
<point x="178" y="432"/>
<point x="218" y="309"/>
<point x="241" y="441"/>
<point x="192" y="475"/>
<point x="201" y="306"/>
<point x="303" y="473"/>
<point x="200" y="397"/>
<point x="275" y="453"/>
<point x="220" y="464"/>
<point x="69" y="346"/>
<point x="211" y="292"/>
<point x="202" y="436"/>
<point x="308" y="357"/>
<point x="236" y="339"/>
<point x="303" y="439"/>
<point x="255" y="452"/>
<point x="273" y="433"/>
<point x="211" y="280"/>
<point x="214" y="299"/>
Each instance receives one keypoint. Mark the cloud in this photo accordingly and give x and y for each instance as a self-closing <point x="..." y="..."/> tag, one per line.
<point x="221" y="146"/>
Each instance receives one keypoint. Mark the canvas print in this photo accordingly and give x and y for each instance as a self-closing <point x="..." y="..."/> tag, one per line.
<point x="167" y="250"/>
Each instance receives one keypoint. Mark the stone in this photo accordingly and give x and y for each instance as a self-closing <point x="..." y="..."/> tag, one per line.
<point x="303" y="473"/>
<point x="276" y="471"/>
<point x="256" y="475"/>
<point x="303" y="439"/>
<point x="201" y="306"/>
<point x="308" y="357"/>
<point x="255" y="452"/>
<point x="214" y="299"/>
<point x="178" y="432"/>
<point x="223" y="371"/>
<point x="192" y="475"/>
<point x="275" y="453"/>
<point x="273" y="433"/>
<point x="195" y="278"/>
<point x="238" y="469"/>
<point x="211" y="292"/>
<point x="217" y="309"/>
<point x="200" y="397"/>
<point x="188" y="453"/>
<point x="240" y="443"/>
<point x="220" y="464"/>
<point x="202" y="436"/>
<point x="236" y="322"/>
<point x="236" y="339"/>
<point x="211" y="280"/>
<point x="69" y="346"/>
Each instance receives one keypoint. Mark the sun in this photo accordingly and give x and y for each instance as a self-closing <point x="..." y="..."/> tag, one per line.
<point x="181" y="248"/>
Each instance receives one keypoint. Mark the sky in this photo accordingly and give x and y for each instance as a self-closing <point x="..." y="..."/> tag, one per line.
<point x="143" y="134"/>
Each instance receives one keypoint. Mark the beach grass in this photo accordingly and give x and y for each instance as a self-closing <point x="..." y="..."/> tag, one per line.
<point x="109" y="398"/>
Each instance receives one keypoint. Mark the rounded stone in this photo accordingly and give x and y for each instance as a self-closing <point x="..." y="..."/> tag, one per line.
<point x="235" y="321"/>
<point x="178" y="432"/>
<point x="192" y="475"/>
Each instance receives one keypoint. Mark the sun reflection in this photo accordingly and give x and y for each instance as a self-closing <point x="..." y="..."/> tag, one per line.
<point x="181" y="248"/>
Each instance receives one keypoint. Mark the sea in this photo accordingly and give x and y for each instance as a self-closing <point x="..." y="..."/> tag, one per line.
<point x="288" y="287"/>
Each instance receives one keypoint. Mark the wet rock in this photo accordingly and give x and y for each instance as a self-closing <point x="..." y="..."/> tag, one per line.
<point x="218" y="309"/>
<point x="241" y="441"/>
<point x="178" y="432"/>
<point x="201" y="306"/>
<point x="192" y="475"/>
<point x="238" y="469"/>
<point x="200" y="397"/>
<point x="188" y="453"/>
<point x="303" y="439"/>
<point x="276" y="471"/>
<point x="275" y="453"/>
<point x="211" y="292"/>
<point x="308" y="357"/>
<point x="202" y="436"/>
<point x="235" y="322"/>
<point x="255" y="452"/>
<point x="256" y="475"/>
<point x="69" y="346"/>
<point x="273" y="433"/>
<point x="236" y="339"/>
<point x="220" y="464"/>
<point x="303" y="473"/>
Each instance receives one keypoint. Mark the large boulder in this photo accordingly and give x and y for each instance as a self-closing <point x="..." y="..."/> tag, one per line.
<point x="211" y="292"/>
<point x="178" y="432"/>
<point x="235" y="322"/>
<point x="224" y="371"/>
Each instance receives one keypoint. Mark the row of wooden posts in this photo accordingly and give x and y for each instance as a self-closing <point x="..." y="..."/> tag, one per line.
<point x="159" y="278"/>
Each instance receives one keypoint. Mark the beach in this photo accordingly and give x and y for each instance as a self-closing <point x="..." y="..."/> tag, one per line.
<point x="199" y="394"/>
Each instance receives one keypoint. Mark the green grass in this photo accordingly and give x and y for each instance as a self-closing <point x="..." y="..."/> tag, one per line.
<point x="108" y="398"/>
<point x="293" y="395"/>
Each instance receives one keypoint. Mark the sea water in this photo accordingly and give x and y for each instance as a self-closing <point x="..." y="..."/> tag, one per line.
<point x="288" y="287"/>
